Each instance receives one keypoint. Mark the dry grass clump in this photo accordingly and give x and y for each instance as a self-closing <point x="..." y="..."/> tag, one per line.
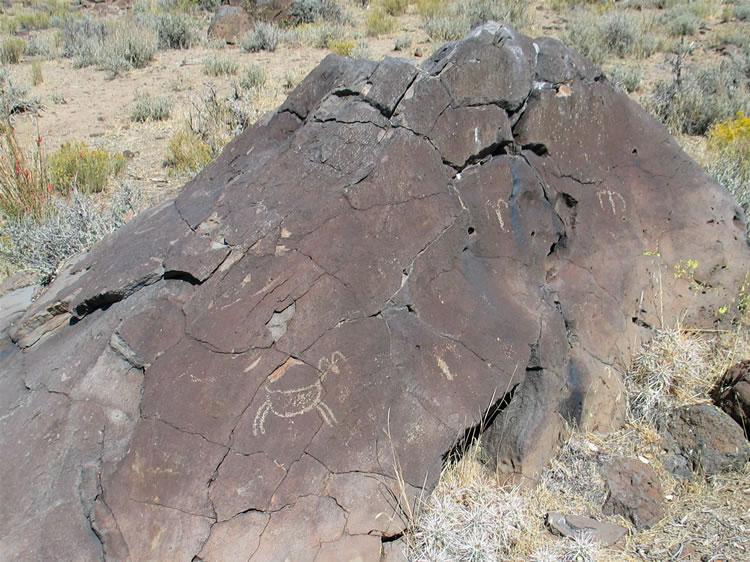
<point x="216" y="119"/>
<point x="671" y="370"/>
<point x="187" y="152"/>
<point x="448" y="21"/>
<point x="615" y="34"/>
<point x="379" y="22"/>
<point x="253" y="77"/>
<point x="218" y="65"/>
<point x="150" y="108"/>
<point x="469" y="516"/>
<point x="11" y="50"/>
<point x="25" y="190"/>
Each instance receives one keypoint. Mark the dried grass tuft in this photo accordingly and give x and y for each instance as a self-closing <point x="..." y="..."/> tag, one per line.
<point x="469" y="516"/>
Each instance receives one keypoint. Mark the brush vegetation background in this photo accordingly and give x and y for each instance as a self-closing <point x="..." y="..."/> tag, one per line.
<point x="175" y="98"/>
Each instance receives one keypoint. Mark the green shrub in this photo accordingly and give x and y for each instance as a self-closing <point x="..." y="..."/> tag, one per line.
<point x="343" y="47"/>
<point x="741" y="12"/>
<point x="150" y="108"/>
<point x="448" y="22"/>
<point x="621" y="33"/>
<point x="116" y="46"/>
<point x="291" y="80"/>
<point x="431" y="8"/>
<point x="217" y="65"/>
<point x="32" y="20"/>
<point x="71" y="226"/>
<point x="732" y="34"/>
<point x="395" y="7"/>
<point x="253" y="78"/>
<point x="78" y="166"/>
<point x="187" y="152"/>
<point x="11" y="50"/>
<point x="378" y="22"/>
<point x="263" y="37"/>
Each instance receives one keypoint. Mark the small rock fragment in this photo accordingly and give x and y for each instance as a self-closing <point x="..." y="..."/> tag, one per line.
<point x="571" y="526"/>
<point x="633" y="492"/>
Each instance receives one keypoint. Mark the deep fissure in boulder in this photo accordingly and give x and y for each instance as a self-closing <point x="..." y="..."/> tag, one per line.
<point x="258" y="367"/>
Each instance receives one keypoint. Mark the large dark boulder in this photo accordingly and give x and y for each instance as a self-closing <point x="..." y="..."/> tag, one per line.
<point x="701" y="438"/>
<point x="259" y="368"/>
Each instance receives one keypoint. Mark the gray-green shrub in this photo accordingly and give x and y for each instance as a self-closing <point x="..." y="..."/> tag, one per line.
<point x="176" y="31"/>
<point x="696" y="98"/>
<point x="308" y="11"/>
<point x="626" y="78"/>
<point x="253" y="78"/>
<point x="618" y="33"/>
<point x="150" y="108"/>
<point x="74" y="226"/>
<point x="402" y="43"/>
<point x="218" y="65"/>
<point x="263" y="37"/>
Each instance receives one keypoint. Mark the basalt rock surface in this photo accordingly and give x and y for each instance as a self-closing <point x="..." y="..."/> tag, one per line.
<point x="395" y="255"/>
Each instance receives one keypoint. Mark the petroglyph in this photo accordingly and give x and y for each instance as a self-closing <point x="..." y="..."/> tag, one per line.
<point x="611" y="196"/>
<point x="289" y="403"/>
<point x="444" y="368"/>
<point x="499" y="207"/>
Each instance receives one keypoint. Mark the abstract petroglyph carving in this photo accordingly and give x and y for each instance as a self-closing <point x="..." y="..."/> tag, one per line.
<point x="607" y="195"/>
<point x="289" y="403"/>
<point x="499" y="207"/>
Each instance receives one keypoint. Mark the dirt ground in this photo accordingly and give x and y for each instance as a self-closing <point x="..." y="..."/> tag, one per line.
<point x="97" y="109"/>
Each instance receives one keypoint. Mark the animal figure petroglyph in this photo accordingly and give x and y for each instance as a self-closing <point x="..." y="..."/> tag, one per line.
<point x="611" y="196"/>
<point x="288" y="403"/>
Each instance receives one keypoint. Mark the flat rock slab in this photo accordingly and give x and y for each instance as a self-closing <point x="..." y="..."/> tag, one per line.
<point x="577" y="526"/>
<point x="269" y="365"/>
